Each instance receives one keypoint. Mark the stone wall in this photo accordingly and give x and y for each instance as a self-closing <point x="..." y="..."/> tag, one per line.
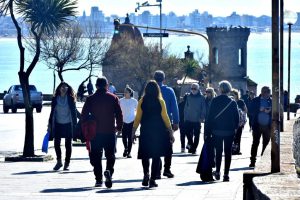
<point x="296" y="144"/>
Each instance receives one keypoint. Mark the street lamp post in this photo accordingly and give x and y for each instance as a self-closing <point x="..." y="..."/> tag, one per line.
<point x="290" y="18"/>
<point x="146" y="4"/>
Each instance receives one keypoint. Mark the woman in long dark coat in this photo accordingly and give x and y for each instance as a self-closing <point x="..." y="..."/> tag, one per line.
<point x="221" y="124"/>
<point x="62" y="122"/>
<point x="156" y="135"/>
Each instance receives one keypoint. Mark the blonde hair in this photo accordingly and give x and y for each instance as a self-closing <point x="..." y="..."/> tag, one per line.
<point x="236" y="92"/>
<point x="212" y="91"/>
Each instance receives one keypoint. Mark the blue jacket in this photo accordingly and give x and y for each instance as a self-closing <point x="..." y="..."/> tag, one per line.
<point x="254" y="111"/>
<point x="171" y="103"/>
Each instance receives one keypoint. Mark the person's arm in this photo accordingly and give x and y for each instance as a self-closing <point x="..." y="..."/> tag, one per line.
<point x="164" y="114"/>
<point x="138" y="116"/>
<point x="174" y="108"/>
<point x="85" y="110"/>
<point x="118" y="115"/>
<point x="203" y="109"/>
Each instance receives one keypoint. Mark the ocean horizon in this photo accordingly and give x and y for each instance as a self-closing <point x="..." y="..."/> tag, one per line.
<point x="259" y="66"/>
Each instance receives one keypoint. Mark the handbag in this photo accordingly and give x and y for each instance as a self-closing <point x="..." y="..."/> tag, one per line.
<point x="45" y="142"/>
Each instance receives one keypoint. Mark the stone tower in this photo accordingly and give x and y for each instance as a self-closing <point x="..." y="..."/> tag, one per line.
<point x="229" y="55"/>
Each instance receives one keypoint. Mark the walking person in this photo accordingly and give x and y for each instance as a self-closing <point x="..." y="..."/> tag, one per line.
<point x="104" y="107"/>
<point x="221" y="124"/>
<point x="156" y="134"/>
<point x="242" y="108"/>
<point x="90" y="87"/>
<point x="81" y="91"/>
<point x="194" y="114"/>
<point x="261" y="111"/>
<point x="181" y="122"/>
<point x="62" y="122"/>
<point x="210" y="94"/>
<point x="128" y="105"/>
<point x="173" y="113"/>
<point x="112" y="88"/>
<point x="248" y="104"/>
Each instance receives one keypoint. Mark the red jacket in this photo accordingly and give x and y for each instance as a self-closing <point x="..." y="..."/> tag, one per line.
<point x="106" y="110"/>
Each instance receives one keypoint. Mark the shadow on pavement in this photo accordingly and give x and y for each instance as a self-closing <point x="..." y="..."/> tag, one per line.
<point x="74" y="172"/>
<point x="241" y="169"/>
<point x="122" y="190"/>
<point x="87" y="158"/>
<point x="192" y="163"/>
<point x="183" y="155"/>
<point x="58" y="190"/>
<point x="35" y="172"/>
<point x="128" y="181"/>
<point x="190" y="183"/>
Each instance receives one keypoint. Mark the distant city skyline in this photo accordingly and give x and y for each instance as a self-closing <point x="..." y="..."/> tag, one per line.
<point x="183" y="7"/>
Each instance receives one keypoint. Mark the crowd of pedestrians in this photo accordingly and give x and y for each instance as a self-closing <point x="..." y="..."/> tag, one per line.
<point x="104" y="116"/>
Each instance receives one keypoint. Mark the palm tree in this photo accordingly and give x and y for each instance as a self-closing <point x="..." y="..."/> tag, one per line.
<point x="190" y="68"/>
<point x="43" y="17"/>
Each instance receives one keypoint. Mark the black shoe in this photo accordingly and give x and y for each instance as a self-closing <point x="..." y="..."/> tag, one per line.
<point x="108" y="181"/>
<point x="129" y="156"/>
<point x="58" y="165"/>
<point x="252" y="164"/>
<point x="152" y="183"/>
<point x="225" y="178"/>
<point x="66" y="165"/>
<point x="98" y="184"/>
<point x="145" y="180"/>
<point x="125" y="153"/>
<point x="216" y="175"/>
<point x="158" y="177"/>
<point x="168" y="174"/>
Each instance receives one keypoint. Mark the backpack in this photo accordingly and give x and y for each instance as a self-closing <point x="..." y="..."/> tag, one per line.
<point x="243" y="117"/>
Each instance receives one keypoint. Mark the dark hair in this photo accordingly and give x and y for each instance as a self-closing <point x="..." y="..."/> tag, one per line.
<point x="159" y="76"/>
<point x="128" y="89"/>
<point x="101" y="82"/>
<point x="152" y="90"/>
<point x="70" y="91"/>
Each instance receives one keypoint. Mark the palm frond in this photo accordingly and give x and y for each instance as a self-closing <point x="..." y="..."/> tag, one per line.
<point x="4" y="7"/>
<point x="46" y="16"/>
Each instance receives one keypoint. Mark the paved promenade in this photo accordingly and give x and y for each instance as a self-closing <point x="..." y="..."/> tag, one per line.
<point x="36" y="180"/>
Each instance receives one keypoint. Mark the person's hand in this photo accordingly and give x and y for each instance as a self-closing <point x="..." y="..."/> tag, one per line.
<point x="133" y="136"/>
<point x="175" y="127"/>
<point x="171" y="134"/>
<point x="172" y="139"/>
<point x="119" y="133"/>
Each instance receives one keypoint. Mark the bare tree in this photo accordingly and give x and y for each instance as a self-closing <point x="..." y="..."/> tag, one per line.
<point x="73" y="49"/>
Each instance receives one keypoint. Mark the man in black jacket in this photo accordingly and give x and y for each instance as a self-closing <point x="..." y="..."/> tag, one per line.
<point x="261" y="111"/>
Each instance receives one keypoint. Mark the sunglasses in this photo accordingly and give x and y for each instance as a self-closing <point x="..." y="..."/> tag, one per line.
<point x="194" y="89"/>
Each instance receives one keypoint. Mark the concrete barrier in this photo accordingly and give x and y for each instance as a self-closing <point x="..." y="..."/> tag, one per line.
<point x="296" y="145"/>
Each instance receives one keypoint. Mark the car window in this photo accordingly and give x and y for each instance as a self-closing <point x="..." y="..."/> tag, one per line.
<point x="18" y="88"/>
<point x="32" y="88"/>
<point x="9" y="90"/>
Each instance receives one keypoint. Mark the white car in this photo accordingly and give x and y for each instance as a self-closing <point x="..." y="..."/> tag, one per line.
<point x="13" y="99"/>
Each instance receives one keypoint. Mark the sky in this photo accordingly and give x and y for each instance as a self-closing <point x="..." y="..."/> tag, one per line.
<point x="183" y="7"/>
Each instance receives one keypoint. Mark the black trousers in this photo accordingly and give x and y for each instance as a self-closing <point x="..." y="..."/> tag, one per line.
<point x="265" y="132"/>
<point x="238" y="137"/>
<point x="227" y="140"/>
<point x="193" y="133"/>
<point x="182" y="134"/>
<point x="106" y="142"/>
<point x="63" y="131"/>
<point x="126" y="136"/>
<point x="154" y="167"/>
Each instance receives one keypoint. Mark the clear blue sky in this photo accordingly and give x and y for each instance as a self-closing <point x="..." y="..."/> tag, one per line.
<point x="181" y="7"/>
